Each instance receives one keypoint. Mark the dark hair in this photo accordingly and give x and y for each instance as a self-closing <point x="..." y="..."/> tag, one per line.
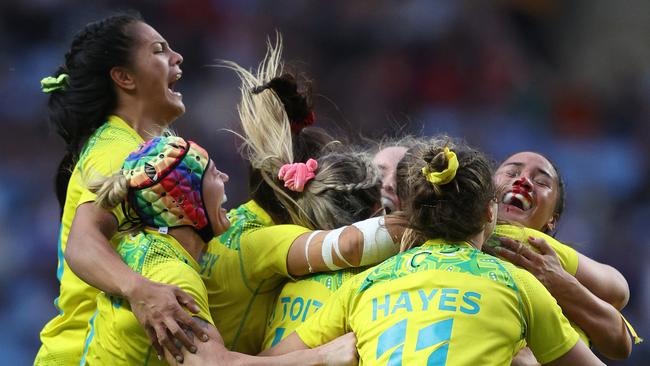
<point x="559" y="205"/>
<point x="453" y="211"/>
<point x="306" y="142"/>
<point x="89" y="96"/>
<point x="296" y="99"/>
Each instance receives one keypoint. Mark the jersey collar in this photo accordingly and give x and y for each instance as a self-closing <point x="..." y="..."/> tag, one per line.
<point x="442" y="242"/>
<point x="118" y="122"/>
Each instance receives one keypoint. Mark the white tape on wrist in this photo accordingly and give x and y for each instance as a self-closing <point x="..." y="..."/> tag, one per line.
<point x="309" y="238"/>
<point x="378" y="245"/>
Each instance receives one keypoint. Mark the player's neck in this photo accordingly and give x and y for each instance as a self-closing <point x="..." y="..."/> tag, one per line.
<point x="189" y="239"/>
<point x="477" y="240"/>
<point x="146" y="126"/>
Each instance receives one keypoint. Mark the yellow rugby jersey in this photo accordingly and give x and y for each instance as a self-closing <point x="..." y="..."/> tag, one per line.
<point x="299" y="300"/>
<point x="243" y="270"/>
<point x="115" y="336"/>
<point x="443" y="304"/>
<point x="568" y="256"/>
<point x="103" y="155"/>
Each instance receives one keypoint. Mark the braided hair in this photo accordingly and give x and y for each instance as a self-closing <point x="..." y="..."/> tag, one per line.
<point x="346" y="189"/>
<point x="89" y="96"/>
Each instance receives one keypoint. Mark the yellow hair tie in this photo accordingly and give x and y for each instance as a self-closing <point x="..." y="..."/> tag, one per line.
<point x="51" y="84"/>
<point x="445" y="176"/>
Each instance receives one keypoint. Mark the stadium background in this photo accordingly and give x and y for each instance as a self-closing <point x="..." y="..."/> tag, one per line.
<point x="570" y="79"/>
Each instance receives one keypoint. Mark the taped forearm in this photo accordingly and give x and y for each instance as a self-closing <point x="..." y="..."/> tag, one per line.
<point x="376" y="245"/>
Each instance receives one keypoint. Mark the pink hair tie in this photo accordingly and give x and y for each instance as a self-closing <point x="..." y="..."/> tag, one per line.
<point x="296" y="175"/>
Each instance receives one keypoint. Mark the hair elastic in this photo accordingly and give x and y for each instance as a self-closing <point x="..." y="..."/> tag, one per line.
<point x="51" y="84"/>
<point x="448" y="174"/>
<point x="296" y="175"/>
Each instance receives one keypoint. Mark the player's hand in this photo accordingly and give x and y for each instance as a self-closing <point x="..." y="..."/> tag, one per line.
<point x="543" y="262"/>
<point x="340" y="352"/>
<point x="158" y="308"/>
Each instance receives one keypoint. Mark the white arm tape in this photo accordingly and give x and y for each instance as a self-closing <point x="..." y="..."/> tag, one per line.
<point x="332" y="241"/>
<point x="309" y="238"/>
<point x="378" y="245"/>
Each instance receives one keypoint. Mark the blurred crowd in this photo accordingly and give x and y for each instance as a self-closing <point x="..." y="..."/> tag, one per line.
<point x="570" y="79"/>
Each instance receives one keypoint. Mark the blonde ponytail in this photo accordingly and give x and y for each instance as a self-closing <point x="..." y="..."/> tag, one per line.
<point x="110" y="191"/>
<point x="267" y="130"/>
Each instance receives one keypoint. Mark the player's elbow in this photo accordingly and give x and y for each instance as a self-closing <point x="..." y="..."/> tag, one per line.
<point x="620" y="352"/>
<point x="622" y="296"/>
<point x="619" y="347"/>
<point x="619" y="294"/>
<point x="71" y="253"/>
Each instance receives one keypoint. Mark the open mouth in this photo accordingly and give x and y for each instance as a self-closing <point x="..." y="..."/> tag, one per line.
<point x="388" y="204"/>
<point x="521" y="200"/>
<point x="172" y="84"/>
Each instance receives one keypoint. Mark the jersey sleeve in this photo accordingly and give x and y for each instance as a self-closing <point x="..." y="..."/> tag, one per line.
<point x="330" y="321"/>
<point x="568" y="256"/>
<point x="182" y="275"/>
<point x="264" y="251"/>
<point x="104" y="159"/>
<point x="548" y="333"/>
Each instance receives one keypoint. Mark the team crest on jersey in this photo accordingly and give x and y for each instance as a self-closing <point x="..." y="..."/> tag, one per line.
<point x="440" y="257"/>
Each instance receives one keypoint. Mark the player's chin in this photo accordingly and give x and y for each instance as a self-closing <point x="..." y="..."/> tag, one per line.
<point x="510" y="213"/>
<point x="222" y="224"/>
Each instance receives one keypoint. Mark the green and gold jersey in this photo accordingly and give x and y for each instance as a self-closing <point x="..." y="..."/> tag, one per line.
<point x="568" y="256"/>
<point x="115" y="336"/>
<point x="103" y="155"/>
<point x="299" y="300"/>
<point x="243" y="270"/>
<point x="443" y="304"/>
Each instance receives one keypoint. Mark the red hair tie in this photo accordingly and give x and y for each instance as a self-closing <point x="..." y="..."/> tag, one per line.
<point x="297" y="126"/>
<point x="296" y="175"/>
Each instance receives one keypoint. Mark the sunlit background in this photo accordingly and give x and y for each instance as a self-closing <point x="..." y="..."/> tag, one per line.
<point x="570" y="79"/>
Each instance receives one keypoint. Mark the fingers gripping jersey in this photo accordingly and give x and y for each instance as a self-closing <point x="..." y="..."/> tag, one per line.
<point x="568" y="256"/>
<point x="115" y="336"/>
<point x="443" y="304"/>
<point x="103" y="155"/>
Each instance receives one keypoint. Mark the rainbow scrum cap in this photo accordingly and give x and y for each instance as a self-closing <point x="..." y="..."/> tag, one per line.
<point x="165" y="178"/>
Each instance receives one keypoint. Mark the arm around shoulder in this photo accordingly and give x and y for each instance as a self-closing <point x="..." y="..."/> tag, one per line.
<point x="90" y="254"/>
<point x="363" y="243"/>
<point x="603" y="281"/>
<point x="340" y="352"/>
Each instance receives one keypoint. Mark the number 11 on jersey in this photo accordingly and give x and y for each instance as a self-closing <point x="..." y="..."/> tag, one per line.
<point x="437" y="334"/>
